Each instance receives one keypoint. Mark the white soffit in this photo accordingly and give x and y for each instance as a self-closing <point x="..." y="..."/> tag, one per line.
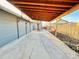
<point x="5" y="5"/>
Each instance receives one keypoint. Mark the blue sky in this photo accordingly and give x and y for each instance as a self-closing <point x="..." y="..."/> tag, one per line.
<point x="72" y="17"/>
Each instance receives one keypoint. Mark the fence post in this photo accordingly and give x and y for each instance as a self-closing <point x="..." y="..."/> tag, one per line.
<point x="56" y="26"/>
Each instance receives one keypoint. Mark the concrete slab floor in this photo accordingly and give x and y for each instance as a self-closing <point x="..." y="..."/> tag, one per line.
<point x="43" y="45"/>
<point x="37" y="45"/>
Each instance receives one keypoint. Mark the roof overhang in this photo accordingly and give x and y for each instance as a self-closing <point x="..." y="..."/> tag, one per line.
<point x="44" y="10"/>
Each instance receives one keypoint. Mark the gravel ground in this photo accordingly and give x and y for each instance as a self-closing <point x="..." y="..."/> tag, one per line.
<point x="71" y="42"/>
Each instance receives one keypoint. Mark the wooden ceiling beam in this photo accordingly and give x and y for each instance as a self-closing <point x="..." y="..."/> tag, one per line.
<point x="71" y="1"/>
<point x="42" y="8"/>
<point x="23" y="8"/>
<point x="68" y="1"/>
<point x="36" y="10"/>
<point x="37" y="15"/>
<point x="41" y="4"/>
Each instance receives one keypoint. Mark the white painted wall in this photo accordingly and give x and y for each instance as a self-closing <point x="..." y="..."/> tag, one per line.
<point x="22" y="28"/>
<point x="8" y="27"/>
<point x="34" y="26"/>
<point x="28" y="27"/>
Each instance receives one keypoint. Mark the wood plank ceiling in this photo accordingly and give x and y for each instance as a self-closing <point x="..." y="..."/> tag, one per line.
<point x="44" y="10"/>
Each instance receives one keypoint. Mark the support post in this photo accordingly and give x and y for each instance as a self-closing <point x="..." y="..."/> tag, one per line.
<point x="17" y="27"/>
<point x="26" y="26"/>
<point x="37" y="26"/>
<point x="30" y="26"/>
